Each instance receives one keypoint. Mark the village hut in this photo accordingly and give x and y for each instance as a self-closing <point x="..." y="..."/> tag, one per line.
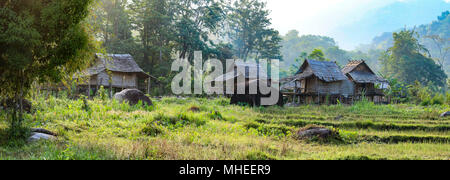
<point x="321" y="82"/>
<point x="116" y="72"/>
<point x="253" y="75"/>
<point x="365" y="81"/>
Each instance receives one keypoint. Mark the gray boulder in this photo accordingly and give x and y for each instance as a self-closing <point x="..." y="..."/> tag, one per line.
<point x="43" y="131"/>
<point x="445" y="114"/>
<point x="313" y="132"/>
<point x="133" y="96"/>
<point x="40" y="136"/>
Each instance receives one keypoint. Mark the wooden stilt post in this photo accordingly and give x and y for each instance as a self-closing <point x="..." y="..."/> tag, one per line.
<point x="295" y="92"/>
<point x="123" y="78"/>
<point x="89" y="88"/>
<point x="149" y="84"/>
<point x="97" y="86"/>
<point x="110" y="87"/>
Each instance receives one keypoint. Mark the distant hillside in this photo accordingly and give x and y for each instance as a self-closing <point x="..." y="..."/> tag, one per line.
<point x="294" y="45"/>
<point x="440" y="27"/>
<point x="388" y="18"/>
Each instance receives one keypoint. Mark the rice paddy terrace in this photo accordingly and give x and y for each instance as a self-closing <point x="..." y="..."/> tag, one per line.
<point x="197" y="128"/>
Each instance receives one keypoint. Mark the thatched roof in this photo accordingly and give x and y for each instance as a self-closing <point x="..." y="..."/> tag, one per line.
<point x="325" y="71"/>
<point x="123" y="63"/>
<point x="248" y="70"/>
<point x="360" y="72"/>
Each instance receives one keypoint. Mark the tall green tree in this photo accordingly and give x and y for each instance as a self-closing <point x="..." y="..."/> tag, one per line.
<point x="442" y="46"/>
<point x="153" y="19"/>
<point x="407" y="62"/>
<point x="318" y="55"/>
<point x="195" y="22"/>
<point x="250" y="31"/>
<point x="41" y="40"/>
<point x="113" y="20"/>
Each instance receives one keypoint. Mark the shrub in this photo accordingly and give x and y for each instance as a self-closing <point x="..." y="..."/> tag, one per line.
<point x="258" y="155"/>
<point x="251" y="125"/>
<point x="438" y="100"/>
<point x="215" y="115"/>
<point x="153" y="130"/>
<point x="270" y="129"/>
<point x="222" y="101"/>
<point x="102" y="93"/>
<point x="349" y="137"/>
<point x="426" y="102"/>
<point x="181" y="120"/>
<point x="447" y="98"/>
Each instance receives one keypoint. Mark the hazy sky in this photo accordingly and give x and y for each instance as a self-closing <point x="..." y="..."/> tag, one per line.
<point x="341" y="19"/>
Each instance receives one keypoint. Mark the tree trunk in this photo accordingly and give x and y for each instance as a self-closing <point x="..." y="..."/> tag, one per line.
<point x="21" y="104"/>
<point x="148" y="86"/>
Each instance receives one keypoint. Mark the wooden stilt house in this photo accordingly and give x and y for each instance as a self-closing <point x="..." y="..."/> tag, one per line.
<point x="366" y="82"/>
<point x="252" y="75"/>
<point x="116" y="72"/>
<point x="319" y="82"/>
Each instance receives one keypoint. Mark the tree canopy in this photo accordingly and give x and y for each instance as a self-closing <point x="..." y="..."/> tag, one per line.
<point x="41" y="40"/>
<point x="407" y="62"/>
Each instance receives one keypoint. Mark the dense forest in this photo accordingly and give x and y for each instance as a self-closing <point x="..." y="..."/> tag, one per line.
<point x="156" y="32"/>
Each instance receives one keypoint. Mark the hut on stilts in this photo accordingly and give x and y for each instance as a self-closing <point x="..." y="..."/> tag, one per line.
<point x="366" y="83"/>
<point x="116" y="72"/>
<point x="247" y="75"/>
<point x="320" y="82"/>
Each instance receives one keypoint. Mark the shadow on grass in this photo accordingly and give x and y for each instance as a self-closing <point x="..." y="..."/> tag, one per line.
<point x="16" y="137"/>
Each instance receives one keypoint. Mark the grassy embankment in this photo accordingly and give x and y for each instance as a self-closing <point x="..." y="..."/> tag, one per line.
<point x="170" y="130"/>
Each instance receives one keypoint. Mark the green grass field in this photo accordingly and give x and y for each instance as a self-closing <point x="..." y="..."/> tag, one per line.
<point x="219" y="131"/>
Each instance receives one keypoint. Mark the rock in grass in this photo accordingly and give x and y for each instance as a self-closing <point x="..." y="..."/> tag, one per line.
<point x="194" y="109"/>
<point x="133" y="96"/>
<point x="40" y="136"/>
<point x="445" y="114"/>
<point x="311" y="132"/>
<point x="43" y="131"/>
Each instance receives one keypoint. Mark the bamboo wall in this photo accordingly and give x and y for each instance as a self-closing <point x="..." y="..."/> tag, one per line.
<point x="119" y="80"/>
<point x="316" y="86"/>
